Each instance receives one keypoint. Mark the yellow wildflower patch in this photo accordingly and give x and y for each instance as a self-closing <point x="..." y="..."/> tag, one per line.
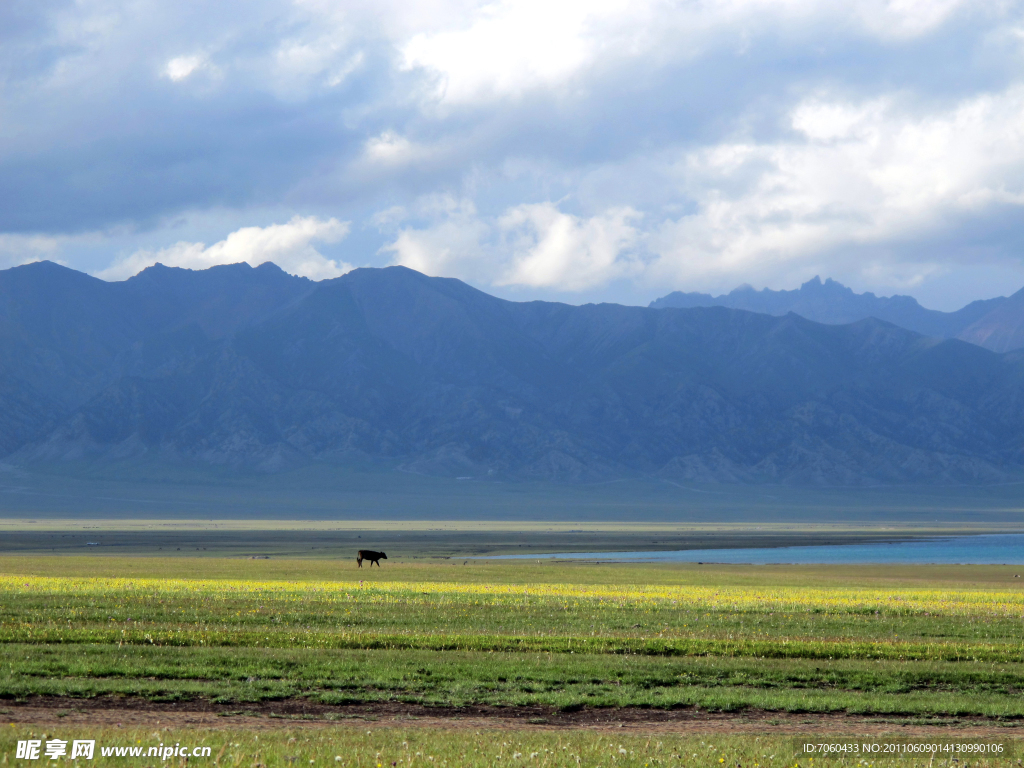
<point x="975" y="602"/>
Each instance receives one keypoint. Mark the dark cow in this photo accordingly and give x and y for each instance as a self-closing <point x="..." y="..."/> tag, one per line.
<point x="368" y="554"/>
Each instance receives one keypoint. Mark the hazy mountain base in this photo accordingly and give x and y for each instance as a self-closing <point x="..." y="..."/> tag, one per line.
<point x="376" y="491"/>
<point x="861" y="458"/>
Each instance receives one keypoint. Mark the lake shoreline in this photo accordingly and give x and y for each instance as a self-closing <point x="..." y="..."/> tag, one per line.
<point x="979" y="549"/>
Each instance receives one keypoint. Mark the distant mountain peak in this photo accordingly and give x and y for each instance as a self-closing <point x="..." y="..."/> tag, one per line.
<point x="45" y="266"/>
<point x="833" y="303"/>
<point x="833" y="287"/>
<point x="161" y="269"/>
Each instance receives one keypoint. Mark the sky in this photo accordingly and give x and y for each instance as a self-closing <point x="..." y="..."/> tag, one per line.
<point x="607" y="150"/>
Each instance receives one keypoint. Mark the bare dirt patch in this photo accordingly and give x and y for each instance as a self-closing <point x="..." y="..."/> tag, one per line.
<point x="128" y="712"/>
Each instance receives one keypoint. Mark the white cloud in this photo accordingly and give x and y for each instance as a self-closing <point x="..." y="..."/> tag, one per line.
<point x="509" y="46"/>
<point x="534" y="245"/>
<point x="18" y="249"/>
<point x="456" y="243"/>
<point x="504" y="48"/>
<point x="180" y="67"/>
<point x="290" y="246"/>
<point x="391" y="149"/>
<point x="856" y="175"/>
<point x="302" y="66"/>
<point x="552" y="249"/>
<point x="904" y="19"/>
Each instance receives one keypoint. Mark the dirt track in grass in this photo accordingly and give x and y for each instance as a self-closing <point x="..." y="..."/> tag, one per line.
<point x="110" y="711"/>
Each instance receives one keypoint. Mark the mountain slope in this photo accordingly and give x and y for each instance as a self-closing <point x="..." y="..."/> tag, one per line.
<point x="1000" y="330"/>
<point x="833" y="303"/>
<point x="437" y="377"/>
<point x="66" y="336"/>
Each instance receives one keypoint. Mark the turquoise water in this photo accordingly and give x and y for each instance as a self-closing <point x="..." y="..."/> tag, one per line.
<point x="979" y="550"/>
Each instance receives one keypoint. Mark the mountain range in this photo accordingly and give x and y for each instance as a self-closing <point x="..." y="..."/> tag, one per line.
<point x="996" y="324"/>
<point x="255" y="368"/>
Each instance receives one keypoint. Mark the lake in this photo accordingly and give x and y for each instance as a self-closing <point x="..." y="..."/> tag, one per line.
<point x="979" y="550"/>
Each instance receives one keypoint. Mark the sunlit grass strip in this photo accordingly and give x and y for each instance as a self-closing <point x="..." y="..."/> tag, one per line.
<point x="977" y="602"/>
<point x="346" y="745"/>
<point x="313" y="639"/>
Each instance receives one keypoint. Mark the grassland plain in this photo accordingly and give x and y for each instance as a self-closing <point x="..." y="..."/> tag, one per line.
<point x="940" y="641"/>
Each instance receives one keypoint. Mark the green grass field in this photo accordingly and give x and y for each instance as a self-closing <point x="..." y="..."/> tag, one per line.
<point x="911" y="641"/>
